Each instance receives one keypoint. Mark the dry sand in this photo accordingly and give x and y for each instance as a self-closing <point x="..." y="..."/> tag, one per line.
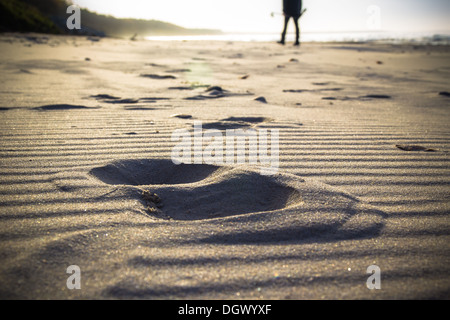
<point x="364" y="173"/>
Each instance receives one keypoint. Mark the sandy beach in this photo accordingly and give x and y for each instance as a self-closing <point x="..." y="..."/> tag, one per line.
<point x="87" y="176"/>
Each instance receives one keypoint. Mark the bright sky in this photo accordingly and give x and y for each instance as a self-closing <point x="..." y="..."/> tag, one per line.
<point x="254" y="15"/>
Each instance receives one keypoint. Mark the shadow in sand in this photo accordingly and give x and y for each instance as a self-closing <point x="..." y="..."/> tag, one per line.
<point x="62" y="107"/>
<point x="151" y="172"/>
<point x="236" y="123"/>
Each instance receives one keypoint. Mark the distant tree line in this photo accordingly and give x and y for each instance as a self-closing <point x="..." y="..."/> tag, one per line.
<point x="49" y="16"/>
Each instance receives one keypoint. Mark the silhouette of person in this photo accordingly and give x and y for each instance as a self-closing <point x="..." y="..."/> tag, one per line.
<point x="291" y="9"/>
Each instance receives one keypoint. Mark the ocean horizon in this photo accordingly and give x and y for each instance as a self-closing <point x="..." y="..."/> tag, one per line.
<point x="435" y="38"/>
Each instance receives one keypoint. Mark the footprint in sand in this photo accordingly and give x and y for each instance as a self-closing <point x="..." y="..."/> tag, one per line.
<point x="140" y="108"/>
<point x="368" y="97"/>
<point x="181" y="88"/>
<point x="106" y="98"/>
<point x="216" y="92"/>
<point x="376" y="96"/>
<point x="236" y="123"/>
<point x="145" y="108"/>
<point x="322" y="83"/>
<point x="261" y="99"/>
<point x="232" y="204"/>
<point x="148" y="172"/>
<point x="26" y="71"/>
<point x="414" y="148"/>
<point x="152" y="99"/>
<point x="123" y="101"/>
<point x="158" y="76"/>
<point x="61" y="107"/>
<point x="181" y="116"/>
<point x="179" y="71"/>
<point x="156" y="65"/>
<point x="312" y="90"/>
<point x="226" y="125"/>
<point x="249" y="119"/>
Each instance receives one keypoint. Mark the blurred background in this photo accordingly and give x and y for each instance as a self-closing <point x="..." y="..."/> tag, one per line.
<point x="249" y="20"/>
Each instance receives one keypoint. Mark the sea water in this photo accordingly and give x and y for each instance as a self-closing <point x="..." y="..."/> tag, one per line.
<point x="434" y="38"/>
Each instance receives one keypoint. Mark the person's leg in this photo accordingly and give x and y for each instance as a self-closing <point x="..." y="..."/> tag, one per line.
<point x="297" y="32"/>
<point x="283" y="35"/>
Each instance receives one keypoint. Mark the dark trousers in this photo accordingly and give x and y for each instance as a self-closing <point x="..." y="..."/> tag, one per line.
<point x="297" y="28"/>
